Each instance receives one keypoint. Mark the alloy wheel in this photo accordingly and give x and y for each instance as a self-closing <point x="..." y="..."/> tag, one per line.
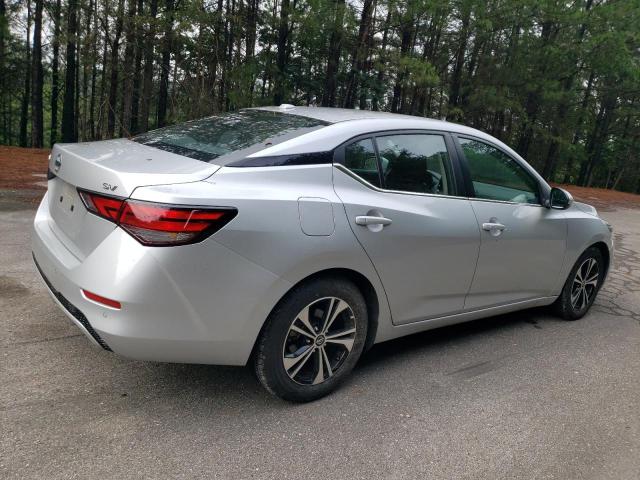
<point x="319" y="341"/>
<point x="585" y="284"/>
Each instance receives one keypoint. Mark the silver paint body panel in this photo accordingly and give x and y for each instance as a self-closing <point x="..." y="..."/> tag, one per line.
<point x="207" y="302"/>
<point x="506" y="271"/>
<point x="426" y="258"/>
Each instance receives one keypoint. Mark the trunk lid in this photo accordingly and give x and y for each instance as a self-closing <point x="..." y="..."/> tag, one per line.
<point x="111" y="167"/>
<point x="118" y="166"/>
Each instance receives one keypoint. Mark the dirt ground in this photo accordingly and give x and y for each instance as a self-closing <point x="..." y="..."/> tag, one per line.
<point x="603" y="199"/>
<point x="26" y="169"/>
<point x="21" y="168"/>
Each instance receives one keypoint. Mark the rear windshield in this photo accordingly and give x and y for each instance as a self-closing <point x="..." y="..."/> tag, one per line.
<point x="229" y="136"/>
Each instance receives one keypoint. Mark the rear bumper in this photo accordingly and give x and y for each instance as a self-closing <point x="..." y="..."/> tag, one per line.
<point x="74" y="314"/>
<point x="198" y="303"/>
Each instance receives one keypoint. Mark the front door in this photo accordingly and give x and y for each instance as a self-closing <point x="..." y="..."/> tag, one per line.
<point x="522" y="243"/>
<point x="400" y="198"/>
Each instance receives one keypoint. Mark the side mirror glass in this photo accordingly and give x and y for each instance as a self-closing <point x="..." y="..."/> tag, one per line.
<point x="560" y="199"/>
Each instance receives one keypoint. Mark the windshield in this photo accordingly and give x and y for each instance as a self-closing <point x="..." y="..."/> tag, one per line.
<point x="229" y="135"/>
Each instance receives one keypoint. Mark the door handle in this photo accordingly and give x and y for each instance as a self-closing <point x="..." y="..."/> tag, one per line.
<point x="366" y="220"/>
<point x="490" y="226"/>
<point x="494" y="228"/>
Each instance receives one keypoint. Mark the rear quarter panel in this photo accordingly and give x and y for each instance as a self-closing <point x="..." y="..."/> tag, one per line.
<point x="268" y="231"/>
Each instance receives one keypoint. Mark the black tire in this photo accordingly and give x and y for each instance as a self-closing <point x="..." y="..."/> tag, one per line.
<point x="574" y="310"/>
<point x="271" y="348"/>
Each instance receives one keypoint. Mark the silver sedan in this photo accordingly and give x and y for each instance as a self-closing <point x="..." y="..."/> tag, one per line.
<point x="294" y="238"/>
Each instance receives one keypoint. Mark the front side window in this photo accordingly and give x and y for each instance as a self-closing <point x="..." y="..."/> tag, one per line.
<point x="360" y="158"/>
<point x="497" y="176"/>
<point x="415" y="163"/>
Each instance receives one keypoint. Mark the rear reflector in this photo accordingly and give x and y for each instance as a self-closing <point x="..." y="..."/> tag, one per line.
<point x="157" y="224"/>
<point x="103" y="300"/>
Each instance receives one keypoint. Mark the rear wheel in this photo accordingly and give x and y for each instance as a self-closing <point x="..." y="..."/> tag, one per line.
<point x="582" y="286"/>
<point x="312" y="340"/>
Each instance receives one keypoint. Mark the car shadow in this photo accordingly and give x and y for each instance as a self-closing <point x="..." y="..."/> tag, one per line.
<point x="439" y="337"/>
<point x="239" y="386"/>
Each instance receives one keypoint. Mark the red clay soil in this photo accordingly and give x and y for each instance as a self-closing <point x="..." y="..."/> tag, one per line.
<point x="603" y="199"/>
<point x="21" y="168"/>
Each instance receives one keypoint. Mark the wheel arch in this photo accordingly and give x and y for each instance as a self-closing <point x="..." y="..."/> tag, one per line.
<point x="606" y="255"/>
<point x="366" y="289"/>
<point x="363" y="284"/>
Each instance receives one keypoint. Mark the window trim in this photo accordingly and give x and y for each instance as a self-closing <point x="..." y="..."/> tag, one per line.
<point x="456" y="170"/>
<point x="467" y="172"/>
<point x="340" y="152"/>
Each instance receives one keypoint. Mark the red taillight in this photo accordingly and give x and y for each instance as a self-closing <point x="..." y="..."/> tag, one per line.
<point x="101" y="205"/>
<point x="157" y="224"/>
<point x="102" y="300"/>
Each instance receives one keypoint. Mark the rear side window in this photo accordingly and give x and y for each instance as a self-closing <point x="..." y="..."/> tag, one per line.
<point x="415" y="163"/>
<point x="229" y="135"/>
<point x="360" y="158"/>
<point x="497" y="176"/>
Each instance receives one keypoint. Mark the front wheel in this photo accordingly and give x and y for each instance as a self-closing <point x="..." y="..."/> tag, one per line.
<point x="312" y="340"/>
<point x="582" y="286"/>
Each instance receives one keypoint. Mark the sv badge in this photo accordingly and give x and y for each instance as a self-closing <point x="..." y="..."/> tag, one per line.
<point x="108" y="186"/>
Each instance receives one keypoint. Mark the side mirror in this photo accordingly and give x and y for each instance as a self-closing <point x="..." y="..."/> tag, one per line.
<point x="560" y="199"/>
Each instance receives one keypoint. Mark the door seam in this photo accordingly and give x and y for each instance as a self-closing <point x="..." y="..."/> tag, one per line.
<point x="475" y="270"/>
<point x="344" y="208"/>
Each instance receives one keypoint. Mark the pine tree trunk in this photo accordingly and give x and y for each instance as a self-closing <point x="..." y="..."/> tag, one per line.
<point x="87" y="53"/>
<point x="251" y="36"/>
<point x="456" y="76"/>
<point x="597" y="141"/>
<point x="147" y="77"/>
<point x="94" y="74"/>
<point x="100" y="131"/>
<point x="165" y="65"/>
<point x="24" y="107"/>
<point x="76" y="115"/>
<point x="419" y="101"/>
<point x="333" y="62"/>
<point x="577" y="136"/>
<point x="128" y="72"/>
<point x="632" y="150"/>
<point x="532" y="106"/>
<point x="222" y="58"/>
<point x="359" y="55"/>
<point x="55" y="86"/>
<point x="405" y="45"/>
<point x="379" y="88"/>
<point x="113" y="85"/>
<point x="281" y="56"/>
<point x="267" y="69"/>
<point x="224" y="93"/>
<point x="137" y="76"/>
<point x="3" y="28"/>
<point x="68" y="108"/>
<point x="37" y="134"/>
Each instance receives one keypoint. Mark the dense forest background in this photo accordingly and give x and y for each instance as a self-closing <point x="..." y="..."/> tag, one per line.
<point x="559" y="80"/>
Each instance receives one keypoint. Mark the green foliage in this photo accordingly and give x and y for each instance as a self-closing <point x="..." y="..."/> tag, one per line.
<point x="557" y="80"/>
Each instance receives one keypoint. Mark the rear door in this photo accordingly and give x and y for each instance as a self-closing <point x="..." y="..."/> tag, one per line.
<point x="522" y="242"/>
<point x="400" y="194"/>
